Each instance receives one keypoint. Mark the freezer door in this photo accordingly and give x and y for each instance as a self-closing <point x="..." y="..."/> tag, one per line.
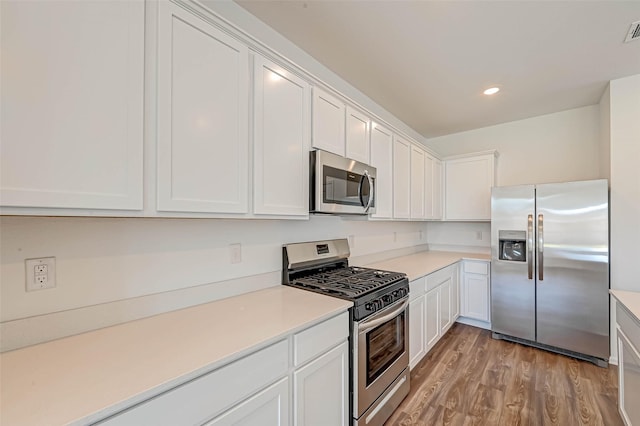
<point x="512" y="281"/>
<point x="573" y="266"/>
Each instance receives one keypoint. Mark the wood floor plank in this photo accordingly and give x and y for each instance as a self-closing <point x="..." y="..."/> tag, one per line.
<point x="470" y="379"/>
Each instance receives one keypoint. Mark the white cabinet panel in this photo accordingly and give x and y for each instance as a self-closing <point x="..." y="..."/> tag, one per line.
<point x="281" y="137"/>
<point x="437" y="190"/>
<point x="72" y="104"/>
<point x="455" y="292"/>
<point x="268" y="408"/>
<point x="357" y="128"/>
<point x="401" y="178"/>
<point x="468" y="183"/>
<point x="203" y="82"/>
<point x="428" y="186"/>
<point x="417" y="183"/>
<point x="432" y="332"/>
<point x="382" y="160"/>
<point x="417" y="332"/>
<point x="311" y="342"/>
<point x="328" y="122"/>
<point x="475" y="303"/>
<point x="321" y="390"/>
<point x="445" y="306"/>
<point x="628" y="380"/>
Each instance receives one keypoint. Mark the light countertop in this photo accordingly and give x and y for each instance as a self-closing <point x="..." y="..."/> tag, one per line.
<point x="100" y="372"/>
<point x="630" y="299"/>
<point x="420" y="264"/>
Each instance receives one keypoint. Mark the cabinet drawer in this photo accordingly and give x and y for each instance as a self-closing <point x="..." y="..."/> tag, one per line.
<point x="438" y="277"/>
<point x="476" y="267"/>
<point x="207" y="396"/>
<point x="628" y="325"/>
<point x="312" y="342"/>
<point x="417" y="288"/>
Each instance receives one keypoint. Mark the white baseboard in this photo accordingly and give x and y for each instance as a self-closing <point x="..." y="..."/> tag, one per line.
<point x="474" y="322"/>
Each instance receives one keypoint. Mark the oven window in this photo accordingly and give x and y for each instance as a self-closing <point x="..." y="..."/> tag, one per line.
<point x="385" y="344"/>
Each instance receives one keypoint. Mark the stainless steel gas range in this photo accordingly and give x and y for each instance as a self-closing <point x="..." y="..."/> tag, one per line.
<point x="379" y="336"/>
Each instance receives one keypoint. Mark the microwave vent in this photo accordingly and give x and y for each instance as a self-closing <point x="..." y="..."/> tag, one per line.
<point x="634" y="32"/>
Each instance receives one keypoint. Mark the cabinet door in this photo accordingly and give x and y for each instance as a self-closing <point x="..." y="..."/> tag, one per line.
<point x="382" y="160"/>
<point x="475" y="292"/>
<point x="432" y="331"/>
<point x="468" y="187"/>
<point x="445" y="306"/>
<point x="281" y="137"/>
<point x="417" y="333"/>
<point x="321" y="390"/>
<point x="428" y="186"/>
<point x="455" y="292"/>
<point x="417" y="183"/>
<point x="357" y="128"/>
<point x="203" y="142"/>
<point x="328" y="122"/>
<point x="401" y="178"/>
<point x="437" y="189"/>
<point x="628" y="380"/>
<point x="72" y="104"/>
<point x="267" y="408"/>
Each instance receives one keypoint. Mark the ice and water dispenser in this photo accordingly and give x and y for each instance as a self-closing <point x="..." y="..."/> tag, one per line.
<point x="512" y="246"/>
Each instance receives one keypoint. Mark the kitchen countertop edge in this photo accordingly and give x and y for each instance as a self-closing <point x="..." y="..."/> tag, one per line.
<point x="630" y="300"/>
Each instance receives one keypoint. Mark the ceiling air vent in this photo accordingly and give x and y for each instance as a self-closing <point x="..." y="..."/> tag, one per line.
<point x="634" y="32"/>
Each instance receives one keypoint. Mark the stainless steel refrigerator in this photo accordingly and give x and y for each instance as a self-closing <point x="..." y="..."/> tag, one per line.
<point x="550" y="267"/>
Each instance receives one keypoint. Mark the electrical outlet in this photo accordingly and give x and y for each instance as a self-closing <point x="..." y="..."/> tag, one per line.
<point x="478" y="235"/>
<point x="235" y="252"/>
<point x="40" y="273"/>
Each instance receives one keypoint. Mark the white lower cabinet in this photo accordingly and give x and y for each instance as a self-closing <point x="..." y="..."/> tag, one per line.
<point x="628" y="331"/>
<point x="269" y="407"/>
<point x="267" y="387"/>
<point x="432" y="329"/>
<point x="476" y="292"/>
<point x="433" y="308"/>
<point x="321" y="390"/>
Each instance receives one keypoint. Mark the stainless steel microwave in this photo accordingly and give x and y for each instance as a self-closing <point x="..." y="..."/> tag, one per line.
<point x="340" y="185"/>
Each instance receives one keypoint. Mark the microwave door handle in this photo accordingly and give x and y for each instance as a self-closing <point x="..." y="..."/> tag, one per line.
<point x="360" y="190"/>
<point x="371" y="191"/>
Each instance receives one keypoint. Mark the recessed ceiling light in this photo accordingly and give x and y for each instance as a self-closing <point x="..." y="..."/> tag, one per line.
<point x="491" y="91"/>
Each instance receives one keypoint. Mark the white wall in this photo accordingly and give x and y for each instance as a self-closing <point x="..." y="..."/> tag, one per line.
<point x="605" y="134"/>
<point x="556" y="147"/>
<point x="112" y="270"/>
<point x="473" y="237"/>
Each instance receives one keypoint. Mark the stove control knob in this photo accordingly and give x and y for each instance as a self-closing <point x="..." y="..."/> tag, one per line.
<point x="387" y="298"/>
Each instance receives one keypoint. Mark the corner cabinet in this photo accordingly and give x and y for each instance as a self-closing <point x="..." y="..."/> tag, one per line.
<point x="417" y="183"/>
<point x="468" y="180"/>
<point x="72" y="105"/>
<point x="203" y="116"/>
<point x="281" y="137"/>
<point x="357" y="136"/>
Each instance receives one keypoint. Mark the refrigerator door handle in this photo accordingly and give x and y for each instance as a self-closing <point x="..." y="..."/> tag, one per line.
<point x="540" y="247"/>
<point x="530" y="246"/>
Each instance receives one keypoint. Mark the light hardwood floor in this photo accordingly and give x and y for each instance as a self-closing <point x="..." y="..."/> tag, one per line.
<point x="468" y="378"/>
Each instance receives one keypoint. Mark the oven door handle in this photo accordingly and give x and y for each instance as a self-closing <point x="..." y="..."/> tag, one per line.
<point x="368" y="325"/>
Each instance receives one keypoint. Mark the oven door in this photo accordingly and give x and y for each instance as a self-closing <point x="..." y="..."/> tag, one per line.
<point x="381" y="353"/>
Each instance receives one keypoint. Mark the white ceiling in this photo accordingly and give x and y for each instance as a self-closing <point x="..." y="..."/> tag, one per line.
<point x="427" y="62"/>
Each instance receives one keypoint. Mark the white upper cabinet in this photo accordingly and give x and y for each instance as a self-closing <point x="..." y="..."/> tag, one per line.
<point x="433" y="187"/>
<point x="357" y="129"/>
<point x="468" y="183"/>
<point x="417" y="183"/>
<point x="382" y="160"/>
<point x="437" y="189"/>
<point x="401" y="178"/>
<point x="203" y="116"/>
<point x="328" y="124"/>
<point x="281" y="141"/>
<point x="72" y="104"/>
